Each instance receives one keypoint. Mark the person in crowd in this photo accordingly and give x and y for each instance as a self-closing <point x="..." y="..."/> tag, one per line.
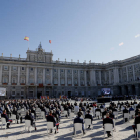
<point x="136" y="121"/>
<point x="98" y="109"/>
<point x="66" y="109"/>
<point x="79" y="120"/>
<point x="131" y="109"/>
<point x="50" y="118"/>
<point x="1" y="109"/>
<point x="82" y="108"/>
<point x="101" y="106"/>
<point x="44" y="110"/>
<point x="8" y="111"/>
<point x="125" y="111"/>
<point x="108" y="120"/>
<point x="104" y="113"/>
<point x="4" y="115"/>
<point x="111" y="115"/>
<point x="136" y="111"/>
<point x="33" y="111"/>
<point x="15" y="112"/>
<point x="89" y="116"/>
<point x="30" y="117"/>
<point x="114" y="109"/>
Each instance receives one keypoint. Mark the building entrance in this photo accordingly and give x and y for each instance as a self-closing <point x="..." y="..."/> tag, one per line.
<point x="69" y="94"/>
<point x="39" y="93"/>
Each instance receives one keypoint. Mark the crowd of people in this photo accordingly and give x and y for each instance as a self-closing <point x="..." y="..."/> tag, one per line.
<point x="53" y="110"/>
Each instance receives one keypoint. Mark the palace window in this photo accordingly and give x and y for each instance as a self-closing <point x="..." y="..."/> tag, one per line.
<point x="31" y="69"/>
<point x="22" y="68"/>
<point x="13" y="93"/>
<point x="68" y="71"/>
<point x="47" y="70"/>
<point x="14" y="80"/>
<point x="69" y="81"/>
<point x="82" y="82"/>
<point x="5" y="67"/>
<point x="62" y="81"/>
<point x="31" y="80"/>
<point x="62" y="70"/>
<point x="14" y="68"/>
<point x="22" y="80"/>
<point x="5" y="80"/>
<point x="22" y="93"/>
<point x="81" y="71"/>
<point x="55" y="81"/>
<point x="75" y="71"/>
<point x="54" y="70"/>
<point x="39" y="80"/>
<point x="75" y="82"/>
<point x="47" y="81"/>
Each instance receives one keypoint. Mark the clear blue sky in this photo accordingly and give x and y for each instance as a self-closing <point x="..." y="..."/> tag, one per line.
<point x="79" y="29"/>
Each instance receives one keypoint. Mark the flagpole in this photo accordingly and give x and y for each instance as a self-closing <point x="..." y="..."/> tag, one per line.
<point x="28" y="44"/>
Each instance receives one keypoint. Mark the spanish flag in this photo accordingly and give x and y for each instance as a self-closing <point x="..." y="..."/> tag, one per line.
<point x="50" y="41"/>
<point x="26" y="38"/>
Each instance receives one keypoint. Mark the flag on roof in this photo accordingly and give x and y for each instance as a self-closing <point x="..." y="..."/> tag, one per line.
<point x="50" y="41"/>
<point x="26" y="38"/>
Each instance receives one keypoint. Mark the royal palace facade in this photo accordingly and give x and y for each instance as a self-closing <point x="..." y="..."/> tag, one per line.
<point x="39" y="75"/>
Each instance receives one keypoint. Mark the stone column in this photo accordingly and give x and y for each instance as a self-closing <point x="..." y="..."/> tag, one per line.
<point x="18" y="75"/>
<point x="100" y="77"/>
<point x="72" y="77"/>
<point x="0" y="74"/>
<point x="109" y="77"/>
<point x="78" y="77"/>
<point x="66" y="77"/>
<point x="94" y="78"/>
<point x="35" y="76"/>
<point x="133" y="73"/>
<point x="91" y="78"/>
<point x="9" y="75"/>
<point x="51" y="77"/>
<point x="127" y="73"/>
<point x="27" y="75"/>
<point x="114" y="70"/>
<point x="44" y="76"/>
<point x="58" y="77"/>
<point x="116" y="76"/>
<point x="105" y="77"/>
<point x="85" y="77"/>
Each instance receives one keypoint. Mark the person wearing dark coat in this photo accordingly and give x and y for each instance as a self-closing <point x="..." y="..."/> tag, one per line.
<point x="8" y="110"/>
<point x="79" y="120"/>
<point x="4" y="115"/>
<point x="17" y="115"/>
<point x="125" y="111"/>
<point x="50" y="118"/>
<point x="104" y="113"/>
<point x="89" y="116"/>
<point x="29" y="117"/>
<point x="44" y="110"/>
<point x="136" y="121"/>
<point x="108" y="120"/>
<point x="111" y="115"/>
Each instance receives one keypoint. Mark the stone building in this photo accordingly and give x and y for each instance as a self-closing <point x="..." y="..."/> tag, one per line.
<point x="39" y="75"/>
